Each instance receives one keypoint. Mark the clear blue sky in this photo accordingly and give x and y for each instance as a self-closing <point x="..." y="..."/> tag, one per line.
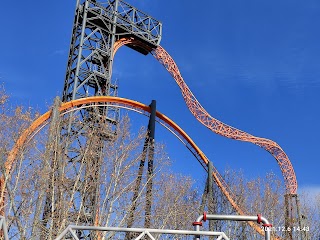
<point x="253" y="64"/>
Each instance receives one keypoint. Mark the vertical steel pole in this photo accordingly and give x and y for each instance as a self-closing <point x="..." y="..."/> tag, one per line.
<point x="288" y="215"/>
<point x="204" y="197"/>
<point x="303" y="234"/>
<point x="113" y="38"/>
<point x="52" y="167"/>
<point x="151" y="133"/>
<point x="85" y="11"/>
<point x="210" y="195"/>
<point x="148" y="150"/>
<point x="72" y="46"/>
<point x="207" y="197"/>
<point x="136" y="190"/>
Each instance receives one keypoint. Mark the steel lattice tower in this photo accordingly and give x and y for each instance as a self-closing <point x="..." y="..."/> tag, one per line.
<point x="96" y="29"/>
<point x="97" y="26"/>
<point x="99" y="29"/>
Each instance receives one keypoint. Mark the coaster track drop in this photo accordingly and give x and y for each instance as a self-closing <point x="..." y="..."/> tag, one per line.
<point x="214" y="124"/>
<point x="201" y="115"/>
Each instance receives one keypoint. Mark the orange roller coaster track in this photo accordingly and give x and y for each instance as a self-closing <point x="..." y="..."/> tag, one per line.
<point x="197" y="110"/>
<point x="141" y="108"/>
<point x="213" y="124"/>
<point x="102" y="101"/>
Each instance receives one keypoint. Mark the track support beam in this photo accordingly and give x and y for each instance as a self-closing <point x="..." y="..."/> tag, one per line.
<point x="294" y="218"/>
<point x="151" y="136"/>
<point x="208" y="200"/>
<point x="148" y="151"/>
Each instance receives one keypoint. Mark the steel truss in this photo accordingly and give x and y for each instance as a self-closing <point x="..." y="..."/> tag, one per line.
<point x="147" y="153"/>
<point x="208" y="200"/>
<point x="152" y="234"/>
<point x="99" y="30"/>
<point x="293" y="218"/>
<point x="225" y="130"/>
<point x="97" y="26"/>
<point x="63" y="179"/>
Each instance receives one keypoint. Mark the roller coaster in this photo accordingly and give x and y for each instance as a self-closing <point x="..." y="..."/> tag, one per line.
<point x="100" y="29"/>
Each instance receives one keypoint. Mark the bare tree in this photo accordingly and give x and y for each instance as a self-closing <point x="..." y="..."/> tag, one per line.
<point x="45" y="193"/>
<point x="264" y="195"/>
<point x="310" y="208"/>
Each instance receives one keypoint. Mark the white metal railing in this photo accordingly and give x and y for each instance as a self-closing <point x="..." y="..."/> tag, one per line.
<point x="71" y="231"/>
<point x="259" y="219"/>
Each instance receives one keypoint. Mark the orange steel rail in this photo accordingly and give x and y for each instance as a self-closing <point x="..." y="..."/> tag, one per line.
<point x="214" y="124"/>
<point x="130" y="104"/>
<point x="197" y="110"/>
<point x="219" y="127"/>
<point x="225" y="130"/>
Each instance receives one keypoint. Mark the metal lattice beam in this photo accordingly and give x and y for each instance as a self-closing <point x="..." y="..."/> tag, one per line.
<point x="74" y="168"/>
<point x="223" y="129"/>
<point x="151" y="233"/>
<point x="97" y="26"/>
